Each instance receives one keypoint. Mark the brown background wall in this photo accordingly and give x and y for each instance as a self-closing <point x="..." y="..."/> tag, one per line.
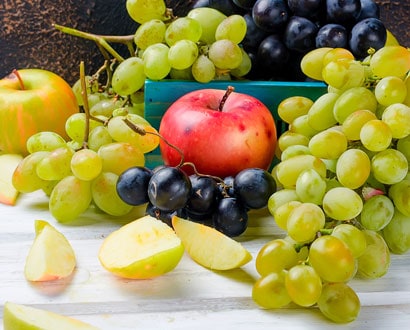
<point x="27" y="38"/>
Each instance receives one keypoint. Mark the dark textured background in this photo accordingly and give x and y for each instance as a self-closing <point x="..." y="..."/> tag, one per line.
<point x="27" y="38"/>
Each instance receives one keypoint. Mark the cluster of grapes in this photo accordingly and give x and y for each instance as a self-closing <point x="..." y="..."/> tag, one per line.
<point x="344" y="197"/>
<point x="280" y="32"/>
<point x="220" y="203"/>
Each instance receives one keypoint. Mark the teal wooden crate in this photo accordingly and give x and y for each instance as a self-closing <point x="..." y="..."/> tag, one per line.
<point x="159" y="95"/>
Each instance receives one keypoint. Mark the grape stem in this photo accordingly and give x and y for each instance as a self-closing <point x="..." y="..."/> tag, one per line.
<point x="228" y="92"/>
<point x="21" y="82"/>
<point x="86" y="105"/>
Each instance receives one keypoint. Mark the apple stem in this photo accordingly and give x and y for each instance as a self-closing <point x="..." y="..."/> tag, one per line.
<point x="228" y="92"/>
<point x="21" y="82"/>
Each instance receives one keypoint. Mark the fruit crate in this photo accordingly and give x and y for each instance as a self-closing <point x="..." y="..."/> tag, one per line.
<point x="159" y="95"/>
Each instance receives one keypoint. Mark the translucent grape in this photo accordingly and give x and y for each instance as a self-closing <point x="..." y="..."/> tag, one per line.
<point x="155" y="61"/>
<point x="182" y="54"/>
<point x="98" y="137"/>
<point x="377" y="212"/>
<point x="354" y="122"/>
<point x="342" y="203"/>
<point x="352" y="236"/>
<point x="209" y="19"/>
<point x="343" y="74"/>
<point x="44" y="141"/>
<point x="270" y="291"/>
<point x="86" y="164"/>
<point x="397" y="233"/>
<point x="56" y="165"/>
<point x="390" y="61"/>
<point x="293" y="107"/>
<point x="128" y="77"/>
<point x="337" y="53"/>
<point x="76" y="124"/>
<point x="145" y="10"/>
<point x="203" y="69"/>
<point x="312" y="63"/>
<point x="288" y="138"/>
<point x="281" y="213"/>
<point x="225" y="54"/>
<point x="353" y="168"/>
<point x="244" y="67"/>
<point x="397" y="117"/>
<point x="183" y="28"/>
<point x="400" y="195"/>
<point x="389" y="166"/>
<point x="233" y="28"/>
<point x="311" y="187"/>
<point x="281" y="197"/>
<point x="320" y="115"/>
<point x="301" y="125"/>
<point x="91" y="85"/>
<point x="390" y="90"/>
<point x="403" y="145"/>
<point x="149" y="33"/>
<point x="105" y="107"/>
<point x="376" y="135"/>
<point x="328" y="144"/>
<point x="294" y="150"/>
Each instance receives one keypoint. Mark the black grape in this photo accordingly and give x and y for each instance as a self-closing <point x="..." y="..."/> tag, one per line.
<point x="300" y="34"/>
<point x="245" y="4"/>
<point x="132" y="185"/>
<point x="205" y="194"/>
<point x="231" y="217"/>
<point x="270" y="15"/>
<point x="272" y="51"/>
<point x="226" y="7"/>
<point x="164" y="216"/>
<point x="254" y="35"/>
<point x="304" y="8"/>
<point x="343" y="12"/>
<point x="369" y="9"/>
<point x="332" y="35"/>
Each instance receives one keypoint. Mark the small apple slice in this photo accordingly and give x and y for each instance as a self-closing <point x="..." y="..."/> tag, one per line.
<point x="51" y="256"/>
<point x="16" y="316"/>
<point x="209" y="247"/>
<point x="143" y="248"/>
<point x="8" y="163"/>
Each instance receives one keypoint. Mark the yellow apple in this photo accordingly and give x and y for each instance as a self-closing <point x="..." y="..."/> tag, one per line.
<point x="209" y="247"/>
<point x="143" y="248"/>
<point x="22" y="317"/>
<point x="51" y="256"/>
<point x="8" y="163"/>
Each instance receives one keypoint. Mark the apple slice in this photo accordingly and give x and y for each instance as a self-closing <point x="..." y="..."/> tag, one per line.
<point x="209" y="247"/>
<point x="16" y="316"/>
<point x="143" y="248"/>
<point x="8" y="163"/>
<point x="51" y="256"/>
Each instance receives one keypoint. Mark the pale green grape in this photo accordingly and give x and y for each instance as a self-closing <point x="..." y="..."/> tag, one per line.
<point x="105" y="107"/>
<point x="155" y="61"/>
<point x="400" y="195"/>
<point x="353" y="168"/>
<point x="94" y="98"/>
<point x="182" y="54"/>
<point x="69" y="199"/>
<point x="128" y="77"/>
<point x="390" y="61"/>
<point x="336" y="54"/>
<point x="354" y="122"/>
<point x="294" y="151"/>
<point x="281" y="213"/>
<point x="352" y="236"/>
<point x="244" y="68"/>
<point x="44" y="141"/>
<point x="288" y="138"/>
<point x="330" y="164"/>
<point x="233" y="28"/>
<point x="390" y="90"/>
<point x="149" y="33"/>
<point x="183" y="28"/>
<point x="377" y="212"/>
<point x="389" y="166"/>
<point x="397" y="117"/>
<point x="281" y="197"/>
<point x="270" y="292"/>
<point x="98" y="137"/>
<point x="225" y="54"/>
<point x="203" y="69"/>
<point x="76" y="124"/>
<point x="293" y="107"/>
<point x="320" y="115"/>
<point x="91" y="85"/>
<point x="145" y="10"/>
<point x="342" y="203"/>
<point x="56" y="165"/>
<point x="186" y="74"/>
<point x="343" y="74"/>
<point x="209" y="19"/>
<point x="312" y="63"/>
<point x="328" y="144"/>
<point x="375" y="261"/>
<point x="105" y="196"/>
<point x="86" y="164"/>
<point x="376" y="135"/>
<point x="339" y="302"/>
<point x="311" y="187"/>
<point x="397" y="233"/>
<point x="301" y="125"/>
<point x="403" y="145"/>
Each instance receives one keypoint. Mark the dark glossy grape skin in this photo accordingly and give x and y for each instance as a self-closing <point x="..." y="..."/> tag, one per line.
<point x="369" y="9"/>
<point x="169" y="189"/>
<point x="231" y="217"/>
<point x="254" y="35"/>
<point x="245" y="4"/>
<point x="132" y="185"/>
<point x="300" y="34"/>
<point x="332" y="35"/>
<point x="164" y="216"/>
<point x="270" y="15"/>
<point x="204" y="197"/>
<point x="304" y="8"/>
<point x="272" y="52"/>
<point x="253" y="187"/>
<point x="343" y="12"/>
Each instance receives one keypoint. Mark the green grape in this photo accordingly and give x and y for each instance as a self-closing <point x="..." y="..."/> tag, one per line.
<point x="288" y="138"/>
<point x="25" y="178"/>
<point x="105" y="107"/>
<point x="94" y="98"/>
<point x="74" y="145"/>
<point x="339" y="302"/>
<point x="336" y="54"/>
<point x="209" y="19"/>
<point x="320" y="115"/>
<point x="281" y="213"/>
<point x="98" y="137"/>
<point x="182" y="54"/>
<point x="390" y="90"/>
<point x="69" y="199"/>
<point x="56" y="165"/>
<point x="390" y="61"/>
<point x="352" y="236"/>
<point x="155" y="61"/>
<point x="186" y="74"/>
<point x="304" y="222"/>
<point x="49" y="186"/>
<point x="376" y="135"/>
<point x="342" y="203"/>
<point x="354" y="122"/>
<point x="355" y="98"/>
<point x="275" y="256"/>
<point x="225" y="54"/>
<point x="332" y="259"/>
<point x="120" y="156"/>
<point x="397" y="117"/>
<point x="375" y="261"/>
<point x="76" y="124"/>
<point x="353" y="168"/>
<point x="293" y="107"/>
<point x="397" y="233"/>
<point x="330" y="164"/>
<point x="203" y="69"/>
<point x="44" y="141"/>
<point x="328" y="144"/>
<point x="407" y="83"/>
<point x="233" y="28"/>
<point x="105" y="196"/>
<point x="128" y="77"/>
<point x="389" y="166"/>
<point x="91" y="85"/>
<point x="312" y="63"/>
<point x="377" y="212"/>
<point x="303" y="285"/>
<point x="86" y="164"/>
<point x="403" y="145"/>
<point x="343" y="74"/>
<point x="183" y="28"/>
<point x="301" y="125"/>
<point x="149" y="33"/>
<point x="400" y="195"/>
<point x="270" y="292"/>
<point x="143" y="11"/>
<point x="294" y="151"/>
<point x="244" y="68"/>
<point x="281" y="197"/>
<point x="311" y="187"/>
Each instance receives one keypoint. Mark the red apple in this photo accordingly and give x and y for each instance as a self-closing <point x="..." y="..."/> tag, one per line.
<point x="32" y="100"/>
<point x="221" y="132"/>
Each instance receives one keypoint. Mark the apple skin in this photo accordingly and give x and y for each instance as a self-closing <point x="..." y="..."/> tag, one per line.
<point x="220" y="143"/>
<point x="44" y="104"/>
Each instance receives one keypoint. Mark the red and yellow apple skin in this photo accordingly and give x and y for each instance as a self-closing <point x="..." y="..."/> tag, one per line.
<point x="40" y="101"/>
<point x="222" y="143"/>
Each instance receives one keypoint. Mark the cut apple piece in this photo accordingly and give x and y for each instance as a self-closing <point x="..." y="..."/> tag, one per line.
<point x="51" y="256"/>
<point x="209" y="247"/>
<point x="143" y="248"/>
<point x="8" y="163"/>
<point x="19" y="317"/>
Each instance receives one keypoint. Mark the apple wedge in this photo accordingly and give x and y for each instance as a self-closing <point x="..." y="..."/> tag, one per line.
<point x="8" y="163"/>
<point x="143" y="248"/>
<point x="19" y="317"/>
<point x="209" y="247"/>
<point x="51" y="256"/>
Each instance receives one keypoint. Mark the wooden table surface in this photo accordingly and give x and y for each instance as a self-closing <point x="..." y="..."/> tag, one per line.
<point x="189" y="297"/>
